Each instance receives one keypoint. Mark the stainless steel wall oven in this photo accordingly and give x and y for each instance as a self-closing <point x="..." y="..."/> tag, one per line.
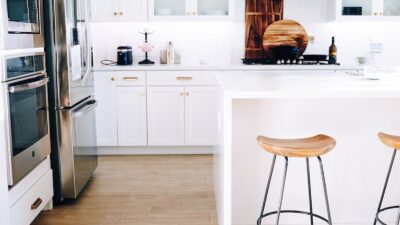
<point x="25" y="81"/>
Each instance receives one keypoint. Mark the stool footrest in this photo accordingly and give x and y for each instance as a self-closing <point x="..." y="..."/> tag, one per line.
<point x="384" y="209"/>
<point x="296" y="212"/>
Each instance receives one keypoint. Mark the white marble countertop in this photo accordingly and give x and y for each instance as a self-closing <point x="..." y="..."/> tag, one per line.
<point x="307" y="84"/>
<point x="231" y="67"/>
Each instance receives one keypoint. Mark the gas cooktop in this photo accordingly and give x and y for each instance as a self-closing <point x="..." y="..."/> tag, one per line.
<point x="285" y="62"/>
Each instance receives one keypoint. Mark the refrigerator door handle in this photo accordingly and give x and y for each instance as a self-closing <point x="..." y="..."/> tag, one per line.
<point x="85" y="110"/>
<point x="88" y="46"/>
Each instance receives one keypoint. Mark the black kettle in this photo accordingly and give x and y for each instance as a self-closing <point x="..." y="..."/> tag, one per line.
<point x="124" y="55"/>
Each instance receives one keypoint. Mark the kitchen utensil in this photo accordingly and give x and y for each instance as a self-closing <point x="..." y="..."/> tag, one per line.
<point x="285" y="52"/>
<point x="316" y="58"/>
<point x="259" y="15"/>
<point x="285" y="33"/>
<point x="361" y="60"/>
<point x="124" y="55"/>
<point x="215" y="13"/>
<point x="352" y="11"/>
<point x="163" y="12"/>
<point x="146" y="48"/>
<point x="163" y="57"/>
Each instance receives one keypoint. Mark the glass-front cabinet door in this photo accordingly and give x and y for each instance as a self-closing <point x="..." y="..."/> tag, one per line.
<point x="213" y="7"/>
<point x="369" y="9"/>
<point x="168" y="8"/>
<point x="358" y="7"/>
<point x="391" y="7"/>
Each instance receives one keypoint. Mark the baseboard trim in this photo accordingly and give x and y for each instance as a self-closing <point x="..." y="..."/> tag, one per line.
<point x="169" y="150"/>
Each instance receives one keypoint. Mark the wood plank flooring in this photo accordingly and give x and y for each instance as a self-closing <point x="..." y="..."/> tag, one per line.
<point x="143" y="190"/>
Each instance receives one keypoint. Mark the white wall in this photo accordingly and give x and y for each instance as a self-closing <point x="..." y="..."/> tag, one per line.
<point x="223" y="42"/>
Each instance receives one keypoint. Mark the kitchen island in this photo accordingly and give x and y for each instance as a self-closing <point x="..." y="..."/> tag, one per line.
<point x="286" y="104"/>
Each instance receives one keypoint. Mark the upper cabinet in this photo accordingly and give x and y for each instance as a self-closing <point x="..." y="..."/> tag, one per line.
<point x="119" y="10"/>
<point x="391" y="8"/>
<point x="169" y="10"/>
<point x="366" y="10"/>
<point x="161" y="10"/>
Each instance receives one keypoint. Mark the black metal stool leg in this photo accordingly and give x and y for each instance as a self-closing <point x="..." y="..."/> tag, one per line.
<point x="282" y="190"/>
<point x="385" y="186"/>
<point x="267" y="190"/>
<point x="325" y="190"/>
<point x="398" y="217"/>
<point x="309" y="191"/>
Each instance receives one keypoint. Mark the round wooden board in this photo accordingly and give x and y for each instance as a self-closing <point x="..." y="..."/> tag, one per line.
<point x="285" y="33"/>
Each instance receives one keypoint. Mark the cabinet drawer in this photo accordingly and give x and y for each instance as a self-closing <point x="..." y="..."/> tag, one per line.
<point x="25" y="210"/>
<point x="179" y="78"/>
<point x="131" y="78"/>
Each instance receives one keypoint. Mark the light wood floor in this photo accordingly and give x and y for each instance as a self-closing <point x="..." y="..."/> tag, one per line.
<point x="142" y="190"/>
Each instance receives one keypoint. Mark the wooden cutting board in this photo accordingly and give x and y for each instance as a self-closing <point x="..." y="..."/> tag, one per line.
<point x="259" y="15"/>
<point x="285" y="33"/>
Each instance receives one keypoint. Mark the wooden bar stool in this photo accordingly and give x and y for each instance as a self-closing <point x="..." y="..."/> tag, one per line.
<point x="394" y="143"/>
<point x="300" y="148"/>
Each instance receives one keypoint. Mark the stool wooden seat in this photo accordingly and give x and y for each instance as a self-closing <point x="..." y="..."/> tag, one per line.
<point x="390" y="140"/>
<point x="305" y="147"/>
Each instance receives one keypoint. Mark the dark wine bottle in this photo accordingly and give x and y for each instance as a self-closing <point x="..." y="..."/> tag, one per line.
<point x="333" y="52"/>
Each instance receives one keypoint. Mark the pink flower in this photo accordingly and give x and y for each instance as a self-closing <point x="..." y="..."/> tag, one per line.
<point x="146" y="47"/>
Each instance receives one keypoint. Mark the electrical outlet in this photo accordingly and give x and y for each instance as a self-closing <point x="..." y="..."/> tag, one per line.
<point x="375" y="47"/>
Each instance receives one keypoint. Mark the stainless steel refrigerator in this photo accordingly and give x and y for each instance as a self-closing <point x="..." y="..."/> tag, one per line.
<point x="71" y="99"/>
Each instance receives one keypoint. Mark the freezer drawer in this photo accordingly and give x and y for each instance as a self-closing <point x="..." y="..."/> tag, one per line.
<point x="78" y="151"/>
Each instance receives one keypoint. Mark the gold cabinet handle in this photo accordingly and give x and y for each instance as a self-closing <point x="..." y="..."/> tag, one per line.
<point x="187" y="94"/>
<point x="375" y="13"/>
<point x="36" y="204"/>
<point x="121" y="13"/>
<point x="184" y="78"/>
<point x="115" y="13"/>
<point x="182" y="94"/>
<point x="112" y="78"/>
<point x="130" y="78"/>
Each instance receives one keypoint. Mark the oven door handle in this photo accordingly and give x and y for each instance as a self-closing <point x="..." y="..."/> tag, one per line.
<point x="85" y="110"/>
<point x="28" y="86"/>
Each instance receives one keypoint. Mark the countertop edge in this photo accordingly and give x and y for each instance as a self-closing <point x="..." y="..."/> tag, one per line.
<point x="225" y="68"/>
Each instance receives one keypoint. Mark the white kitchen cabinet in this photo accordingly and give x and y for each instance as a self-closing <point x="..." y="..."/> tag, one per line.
<point x="132" y="118"/>
<point x="106" y="111"/>
<point x="104" y="10"/>
<point x="166" y="118"/>
<point x="156" y="108"/>
<point x="119" y="10"/>
<point x="168" y="10"/>
<point x="365" y="10"/>
<point x="201" y="115"/>
<point x="391" y="7"/>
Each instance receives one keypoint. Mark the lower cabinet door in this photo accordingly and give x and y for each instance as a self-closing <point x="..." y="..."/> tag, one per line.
<point x="132" y="121"/>
<point x="201" y="115"/>
<point x="106" y="113"/>
<point x="166" y="119"/>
